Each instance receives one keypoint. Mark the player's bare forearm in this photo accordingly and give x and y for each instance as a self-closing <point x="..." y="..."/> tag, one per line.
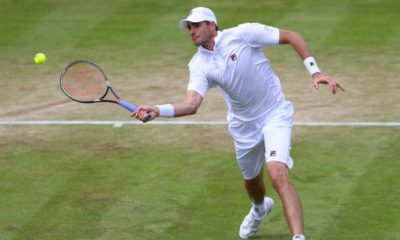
<point x="301" y="47"/>
<point x="187" y="107"/>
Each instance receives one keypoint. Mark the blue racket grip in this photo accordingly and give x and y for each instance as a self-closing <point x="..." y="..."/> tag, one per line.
<point x="127" y="105"/>
<point x="132" y="108"/>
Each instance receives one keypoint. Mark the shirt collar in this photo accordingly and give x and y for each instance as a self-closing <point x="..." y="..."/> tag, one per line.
<point x="216" y="40"/>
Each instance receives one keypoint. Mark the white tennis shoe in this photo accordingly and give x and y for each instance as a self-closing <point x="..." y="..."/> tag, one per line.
<point x="251" y="223"/>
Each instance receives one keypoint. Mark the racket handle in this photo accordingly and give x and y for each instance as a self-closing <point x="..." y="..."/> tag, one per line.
<point x="126" y="105"/>
<point x="132" y="108"/>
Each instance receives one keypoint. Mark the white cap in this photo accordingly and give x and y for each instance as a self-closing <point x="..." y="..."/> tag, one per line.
<point x="199" y="14"/>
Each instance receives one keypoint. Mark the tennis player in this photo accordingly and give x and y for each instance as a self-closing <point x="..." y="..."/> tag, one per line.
<point x="259" y="117"/>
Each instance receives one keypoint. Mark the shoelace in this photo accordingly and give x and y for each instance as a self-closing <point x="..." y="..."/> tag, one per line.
<point x="252" y="222"/>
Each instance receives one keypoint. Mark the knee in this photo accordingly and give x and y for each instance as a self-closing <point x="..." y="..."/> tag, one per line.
<point x="278" y="174"/>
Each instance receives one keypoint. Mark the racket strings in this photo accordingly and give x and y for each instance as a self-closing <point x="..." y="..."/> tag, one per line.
<point x="84" y="82"/>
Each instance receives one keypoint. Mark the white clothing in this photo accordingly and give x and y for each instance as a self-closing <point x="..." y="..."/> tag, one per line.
<point x="238" y="66"/>
<point x="268" y="141"/>
<point x="251" y="89"/>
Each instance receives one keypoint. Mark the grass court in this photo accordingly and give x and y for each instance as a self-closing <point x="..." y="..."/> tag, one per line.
<point x="182" y="181"/>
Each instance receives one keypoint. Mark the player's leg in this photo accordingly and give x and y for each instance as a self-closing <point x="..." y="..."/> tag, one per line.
<point x="277" y="139"/>
<point x="278" y="174"/>
<point x="255" y="188"/>
<point x="251" y="162"/>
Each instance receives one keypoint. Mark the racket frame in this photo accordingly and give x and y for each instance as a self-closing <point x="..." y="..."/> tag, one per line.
<point x="101" y="99"/>
<point x="118" y="100"/>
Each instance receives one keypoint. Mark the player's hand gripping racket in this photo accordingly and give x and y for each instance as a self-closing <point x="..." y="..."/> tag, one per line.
<point x="85" y="82"/>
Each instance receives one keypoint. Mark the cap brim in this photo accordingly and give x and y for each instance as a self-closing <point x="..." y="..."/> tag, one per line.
<point x="183" y="24"/>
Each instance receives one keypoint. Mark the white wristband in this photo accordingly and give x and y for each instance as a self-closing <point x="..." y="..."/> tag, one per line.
<point x="311" y="65"/>
<point x="166" y="110"/>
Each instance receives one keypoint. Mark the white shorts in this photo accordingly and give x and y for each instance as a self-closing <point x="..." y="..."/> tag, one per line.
<point x="264" y="141"/>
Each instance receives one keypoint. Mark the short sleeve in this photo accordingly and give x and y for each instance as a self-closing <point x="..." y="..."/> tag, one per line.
<point x="259" y="35"/>
<point x="197" y="81"/>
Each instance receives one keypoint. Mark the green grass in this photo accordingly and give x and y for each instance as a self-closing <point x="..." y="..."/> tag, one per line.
<point x="129" y="184"/>
<point x="182" y="182"/>
<point x="140" y="46"/>
<point x="351" y="172"/>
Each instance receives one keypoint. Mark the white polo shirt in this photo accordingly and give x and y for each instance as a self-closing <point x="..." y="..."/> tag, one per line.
<point x="239" y="67"/>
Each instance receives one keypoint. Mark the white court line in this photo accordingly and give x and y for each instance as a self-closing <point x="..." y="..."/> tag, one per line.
<point x="117" y="123"/>
<point x="350" y="124"/>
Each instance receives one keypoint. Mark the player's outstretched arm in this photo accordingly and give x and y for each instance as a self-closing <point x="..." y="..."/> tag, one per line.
<point x="297" y="42"/>
<point x="189" y="106"/>
<point x="301" y="47"/>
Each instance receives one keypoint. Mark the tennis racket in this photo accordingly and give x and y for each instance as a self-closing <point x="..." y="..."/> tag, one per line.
<point x="85" y="82"/>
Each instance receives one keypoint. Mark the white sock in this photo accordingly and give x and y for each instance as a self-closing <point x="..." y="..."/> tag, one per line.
<point x="259" y="208"/>
<point x="299" y="237"/>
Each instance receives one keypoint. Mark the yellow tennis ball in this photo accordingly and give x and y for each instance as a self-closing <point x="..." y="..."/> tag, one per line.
<point x="39" y="58"/>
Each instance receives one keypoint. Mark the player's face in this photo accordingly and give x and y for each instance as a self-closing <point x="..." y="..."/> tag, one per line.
<point x="202" y="34"/>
